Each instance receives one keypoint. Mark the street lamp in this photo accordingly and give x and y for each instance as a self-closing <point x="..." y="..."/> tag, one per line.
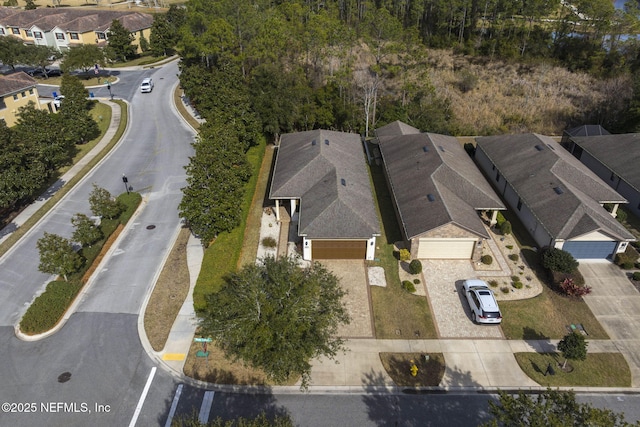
<point x="109" y="88"/>
<point x="126" y="185"/>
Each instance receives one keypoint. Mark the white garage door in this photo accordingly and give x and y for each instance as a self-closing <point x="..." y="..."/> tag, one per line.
<point x="446" y="248"/>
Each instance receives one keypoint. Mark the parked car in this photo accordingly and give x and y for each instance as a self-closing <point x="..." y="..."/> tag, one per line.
<point x="57" y="101"/>
<point x="146" y="86"/>
<point x="483" y="304"/>
<point x="40" y="72"/>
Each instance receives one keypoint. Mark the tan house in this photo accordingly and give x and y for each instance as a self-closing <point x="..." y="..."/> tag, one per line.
<point x="16" y="90"/>
<point x="63" y="28"/>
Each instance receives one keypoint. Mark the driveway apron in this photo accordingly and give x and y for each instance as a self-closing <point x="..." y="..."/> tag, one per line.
<point x="616" y="304"/>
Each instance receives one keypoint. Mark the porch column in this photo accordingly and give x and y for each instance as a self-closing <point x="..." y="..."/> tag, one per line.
<point x="494" y="218"/>
<point x="293" y="207"/>
<point x="278" y="210"/>
<point x="614" y="211"/>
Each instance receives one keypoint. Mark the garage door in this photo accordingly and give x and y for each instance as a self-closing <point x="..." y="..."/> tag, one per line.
<point x="446" y="248"/>
<point x="338" y="249"/>
<point x="590" y="249"/>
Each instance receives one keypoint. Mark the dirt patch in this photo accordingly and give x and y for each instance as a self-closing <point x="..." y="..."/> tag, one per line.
<point x="430" y="368"/>
<point x="103" y="252"/>
<point x="169" y="294"/>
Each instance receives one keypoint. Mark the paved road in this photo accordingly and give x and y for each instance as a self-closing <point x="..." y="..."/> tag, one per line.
<point x="100" y="346"/>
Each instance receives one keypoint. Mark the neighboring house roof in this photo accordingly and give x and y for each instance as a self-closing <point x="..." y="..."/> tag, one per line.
<point x="75" y="20"/>
<point x="619" y="153"/>
<point x="15" y="82"/>
<point x="587" y="130"/>
<point x="326" y="170"/>
<point x="434" y="181"/>
<point x="396" y="128"/>
<point x="562" y="193"/>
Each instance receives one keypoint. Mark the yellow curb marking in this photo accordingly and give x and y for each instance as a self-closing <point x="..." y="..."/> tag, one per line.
<point x="173" y="356"/>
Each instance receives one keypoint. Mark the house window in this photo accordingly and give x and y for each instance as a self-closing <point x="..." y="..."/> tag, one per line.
<point x="612" y="177"/>
<point x="24" y="94"/>
<point x="2" y="31"/>
<point x="497" y="176"/>
<point x="28" y="33"/>
<point x="16" y="31"/>
<point x="519" y="203"/>
<point x="101" y="36"/>
<point x="74" y="36"/>
<point x="59" y="36"/>
<point x="30" y="91"/>
<point x="37" y="34"/>
<point x="2" y="104"/>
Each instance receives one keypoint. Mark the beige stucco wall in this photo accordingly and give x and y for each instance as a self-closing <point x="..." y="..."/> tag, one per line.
<point x="12" y="105"/>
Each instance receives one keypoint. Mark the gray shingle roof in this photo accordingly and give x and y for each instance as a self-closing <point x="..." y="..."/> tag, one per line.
<point x="15" y="82"/>
<point x="396" y="128"/>
<point x="435" y="187"/>
<point x="562" y="193"/>
<point x="619" y="153"/>
<point x="331" y="180"/>
<point x="587" y="130"/>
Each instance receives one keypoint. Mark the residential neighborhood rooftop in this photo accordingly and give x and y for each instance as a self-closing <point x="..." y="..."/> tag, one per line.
<point x="15" y="82"/>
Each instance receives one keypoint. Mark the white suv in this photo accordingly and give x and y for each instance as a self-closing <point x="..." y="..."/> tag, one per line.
<point x="146" y="86"/>
<point x="484" y="307"/>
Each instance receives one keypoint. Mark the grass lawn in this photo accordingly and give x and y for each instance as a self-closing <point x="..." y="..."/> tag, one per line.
<point x="598" y="370"/>
<point x="397" y="313"/>
<point x="398" y="366"/>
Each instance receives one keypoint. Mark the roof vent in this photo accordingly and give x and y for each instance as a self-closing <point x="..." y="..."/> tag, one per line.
<point x="313" y="142"/>
<point x="343" y="182"/>
<point x="431" y="197"/>
<point x="326" y="142"/>
<point x="558" y="190"/>
<point x="539" y="147"/>
<point x="441" y="148"/>
<point x="425" y="149"/>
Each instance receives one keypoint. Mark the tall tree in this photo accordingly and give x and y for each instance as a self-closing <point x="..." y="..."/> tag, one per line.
<point x="41" y="56"/>
<point x="76" y="121"/>
<point x="552" y="408"/>
<point x="57" y="256"/>
<point x="573" y="347"/>
<point x="120" y="46"/>
<point x="86" y="231"/>
<point x="277" y="317"/>
<point x="103" y="204"/>
<point x="12" y="51"/>
<point x="83" y="57"/>
<point x="161" y="38"/>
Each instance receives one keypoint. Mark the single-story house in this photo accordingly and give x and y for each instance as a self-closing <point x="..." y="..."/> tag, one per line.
<point x="558" y="199"/>
<point x="615" y="159"/>
<point x="438" y="192"/>
<point x="16" y="90"/>
<point x="324" y="177"/>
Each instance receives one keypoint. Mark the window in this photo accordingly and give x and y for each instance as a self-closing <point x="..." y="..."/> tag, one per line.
<point x="23" y="94"/>
<point x="2" y="31"/>
<point x="74" y="36"/>
<point x="2" y="104"/>
<point x="497" y="176"/>
<point x="59" y="36"/>
<point x="31" y="91"/>
<point x="101" y="36"/>
<point x="519" y="204"/>
<point x="16" y="31"/>
<point x="612" y="177"/>
<point x="28" y="33"/>
<point x="15" y="97"/>
<point x="37" y="35"/>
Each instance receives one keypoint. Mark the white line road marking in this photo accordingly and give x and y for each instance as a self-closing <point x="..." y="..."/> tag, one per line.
<point x="207" y="401"/>
<point x="136" y="414"/>
<point x="174" y="405"/>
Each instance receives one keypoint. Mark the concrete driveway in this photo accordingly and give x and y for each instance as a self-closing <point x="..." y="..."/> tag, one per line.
<point x="616" y="304"/>
<point x="443" y="281"/>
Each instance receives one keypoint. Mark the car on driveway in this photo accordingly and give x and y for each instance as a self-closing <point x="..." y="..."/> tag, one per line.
<point x="483" y="304"/>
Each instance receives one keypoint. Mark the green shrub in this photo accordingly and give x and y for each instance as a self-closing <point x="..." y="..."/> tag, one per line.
<point x="408" y="286"/>
<point x="505" y="228"/>
<point x="636" y="276"/>
<point x="628" y="265"/>
<point x="269" y="242"/>
<point x="504" y="290"/>
<point x="49" y="307"/>
<point x="509" y="246"/>
<point x="493" y="283"/>
<point x="517" y="284"/>
<point x="415" y="267"/>
<point x="416" y="281"/>
<point x="514" y="257"/>
<point x="500" y="219"/>
<point x="486" y="259"/>
<point x="621" y="215"/>
<point x="405" y="255"/>
<point x="559" y="260"/>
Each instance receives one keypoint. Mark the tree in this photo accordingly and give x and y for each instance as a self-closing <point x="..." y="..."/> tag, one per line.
<point x="559" y="260"/>
<point x="260" y="421"/>
<point x="552" y="408"/>
<point x="144" y="43"/>
<point x="86" y="231"/>
<point x="12" y="51"/>
<point x="40" y="56"/>
<point x="83" y="57"/>
<point x="30" y="5"/>
<point x="161" y="38"/>
<point x="120" y="45"/>
<point x="103" y="204"/>
<point x="57" y="256"/>
<point x="277" y="316"/>
<point x="76" y="121"/>
<point x="573" y="346"/>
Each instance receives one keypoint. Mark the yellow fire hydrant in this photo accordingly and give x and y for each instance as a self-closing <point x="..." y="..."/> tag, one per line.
<point x="414" y="369"/>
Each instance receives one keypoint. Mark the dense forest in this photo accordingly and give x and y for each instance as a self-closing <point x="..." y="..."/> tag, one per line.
<point x="257" y="68"/>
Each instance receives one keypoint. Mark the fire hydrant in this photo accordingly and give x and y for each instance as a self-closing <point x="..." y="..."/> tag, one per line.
<point x="414" y="369"/>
